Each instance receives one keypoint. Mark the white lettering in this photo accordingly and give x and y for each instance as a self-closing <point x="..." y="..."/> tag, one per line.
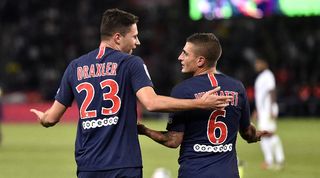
<point x="215" y="149"/>
<point x="100" y="123"/>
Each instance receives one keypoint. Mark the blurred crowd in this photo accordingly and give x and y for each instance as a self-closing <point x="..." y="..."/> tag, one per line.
<point x="39" y="38"/>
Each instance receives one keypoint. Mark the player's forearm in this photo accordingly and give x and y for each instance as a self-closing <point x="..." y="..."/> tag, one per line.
<point x="153" y="102"/>
<point x="48" y="119"/>
<point x="161" y="137"/>
<point x="168" y="104"/>
<point x="250" y="134"/>
<point x="51" y="116"/>
<point x="157" y="136"/>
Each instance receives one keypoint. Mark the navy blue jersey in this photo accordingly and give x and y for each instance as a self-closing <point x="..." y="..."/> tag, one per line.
<point x="208" y="148"/>
<point x="104" y="83"/>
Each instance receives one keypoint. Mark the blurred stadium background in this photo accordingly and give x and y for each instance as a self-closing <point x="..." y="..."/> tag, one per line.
<point x="39" y="38"/>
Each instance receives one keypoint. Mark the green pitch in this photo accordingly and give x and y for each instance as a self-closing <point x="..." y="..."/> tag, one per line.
<point x="29" y="150"/>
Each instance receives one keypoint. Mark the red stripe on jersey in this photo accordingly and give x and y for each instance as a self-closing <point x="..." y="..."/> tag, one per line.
<point x="101" y="52"/>
<point x="212" y="80"/>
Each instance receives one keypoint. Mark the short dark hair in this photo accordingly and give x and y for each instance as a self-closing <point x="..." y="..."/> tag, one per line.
<point x="207" y="45"/>
<point x="115" y="20"/>
<point x="262" y="57"/>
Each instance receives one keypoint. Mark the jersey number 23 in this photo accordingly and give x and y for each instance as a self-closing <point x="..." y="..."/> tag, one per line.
<point x="90" y="92"/>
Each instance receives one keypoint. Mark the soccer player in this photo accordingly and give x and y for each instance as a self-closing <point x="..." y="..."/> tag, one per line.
<point x="267" y="113"/>
<point x="106" y="83"/>
<point x="207" y="138"/>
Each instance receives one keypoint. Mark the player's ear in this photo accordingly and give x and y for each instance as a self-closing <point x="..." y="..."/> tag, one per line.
<point x="117" y="38"/>
<point x="201" y="61"/>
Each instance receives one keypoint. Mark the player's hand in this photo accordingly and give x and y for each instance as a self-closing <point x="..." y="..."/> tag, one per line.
<point x="38" y="113"/>
<point x="264" y="133"/>
<point x="260" y="134"/>
<point x="141" y="128"/>
<point x="40" y="116"/>
<point x="212" y="101"/>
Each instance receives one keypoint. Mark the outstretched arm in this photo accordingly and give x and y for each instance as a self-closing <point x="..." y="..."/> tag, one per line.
<point x="251" y="135"/>
<point x="51" y="116"/>
<point x="169" y="139"/>
<point x="153" y="102"/>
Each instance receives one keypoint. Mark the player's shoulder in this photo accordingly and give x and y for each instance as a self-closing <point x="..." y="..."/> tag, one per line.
<point x="83" y="58"/>
<point x="115" y="55"/>
<point x="223" y="78"/>
<point x="188" y="86"/>
<point x="127" y="58"/>
<point x="183" y="84"/>
<point x="179" y="89"/>
<point x="230" y="83"/>
<point x="268" y="73"/>
<point x="265" y="75"/>
<point x="133" y="58"/>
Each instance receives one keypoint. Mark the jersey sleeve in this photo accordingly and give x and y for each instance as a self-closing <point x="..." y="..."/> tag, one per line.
<point x="245" y="109"/>
<point x="139" y="74"/>
<point x="64" y="94"/>
<point x="176" y="120"/>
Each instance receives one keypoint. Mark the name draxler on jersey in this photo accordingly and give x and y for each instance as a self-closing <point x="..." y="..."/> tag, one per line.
<point x="97" y="70"/>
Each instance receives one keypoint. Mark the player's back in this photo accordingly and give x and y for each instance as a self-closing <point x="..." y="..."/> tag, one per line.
<point x="104" y="83"/>
<point x="209" y="144"/>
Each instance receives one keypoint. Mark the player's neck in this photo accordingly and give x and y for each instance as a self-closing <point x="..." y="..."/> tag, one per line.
<point x="205" y="71"/>
<point x="109" y="44"/>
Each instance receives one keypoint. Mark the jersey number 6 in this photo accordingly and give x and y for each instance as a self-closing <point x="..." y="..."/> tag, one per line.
<point x="213" y="124"/>
<point x="90" y="92"/>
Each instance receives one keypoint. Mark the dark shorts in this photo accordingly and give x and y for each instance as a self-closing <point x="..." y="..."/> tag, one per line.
<point x="115" y="173"/>
<point x="208" y="172"/>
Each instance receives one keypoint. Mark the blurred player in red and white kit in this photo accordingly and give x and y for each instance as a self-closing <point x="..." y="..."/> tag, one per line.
<point x="106" y="84"/>
<point x="267" y="113"/>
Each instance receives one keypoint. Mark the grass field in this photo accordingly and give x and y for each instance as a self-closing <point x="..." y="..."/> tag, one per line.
<point x="30" y="151"/>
